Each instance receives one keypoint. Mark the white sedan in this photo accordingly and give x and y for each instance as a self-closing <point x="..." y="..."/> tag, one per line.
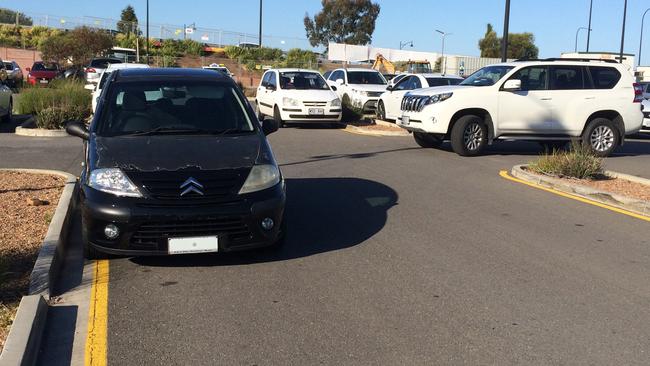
<point x="388" y="107"/>
<point x="97" y="88"/>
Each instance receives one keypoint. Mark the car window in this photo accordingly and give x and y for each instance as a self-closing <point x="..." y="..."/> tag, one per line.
<point x="403" y="84"/>
<point x="102" y="63"/>
<point x="566" y="77"/>
<point x="302" y="81"/>
<point x="191" y="107"/>
<point x="326" y="75"/>
<point x="397" y="78"/>
<point x="606" y="77"/>
<point x="266" y="77"/>
<point x="487" y="76"/>
<point x="647" y="89"/>
<point x="39" y="66"/>
<point x="338" y="74"/>
<point x="416" y="83"/>
<point x="9" y="66"/>
<point x="532" y="78"/>
<point x="103" y="79"/>
<point x="365" y="77"/>
<point x="272" y="80"/>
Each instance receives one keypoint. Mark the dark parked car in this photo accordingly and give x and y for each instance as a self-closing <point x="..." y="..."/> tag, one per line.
<point x="176" y="162"/>
<point x="41" y="73"/>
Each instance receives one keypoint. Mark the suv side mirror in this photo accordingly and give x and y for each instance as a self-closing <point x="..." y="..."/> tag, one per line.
<point x="77" y="128"/>
<point x="269" y="126"/>
<point x="512" y="85"/>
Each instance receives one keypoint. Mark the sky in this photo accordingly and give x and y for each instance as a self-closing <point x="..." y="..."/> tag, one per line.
<point x="553" y="22"/>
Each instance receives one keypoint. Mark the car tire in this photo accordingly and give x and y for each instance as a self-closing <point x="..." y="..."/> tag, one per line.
<point x="260" y="115"/>
<point x="7" y="117"/>
<point x="601" y="137"/>
<point x="381" y="111"/>
<point x="277" y="117"/>
<point x="427" y="140"/>
<point x="469" y="135"/>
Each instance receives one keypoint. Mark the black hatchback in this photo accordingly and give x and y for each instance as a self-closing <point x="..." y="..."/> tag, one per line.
<point x="177" y="162"/>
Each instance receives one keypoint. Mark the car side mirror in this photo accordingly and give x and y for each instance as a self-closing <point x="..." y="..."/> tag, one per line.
<point x="77" y="128"/>
<point x="339" y="81"/>
<point x="89" y="87"/>
<point x="512" y="85"/>
<point x="333" y="87"/>
<point x="389" y="88"/>
<point x="269" y="126"/>
<point x="270" y="87"/>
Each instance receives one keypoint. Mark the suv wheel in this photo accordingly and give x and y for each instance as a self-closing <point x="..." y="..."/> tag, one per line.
<point x="468" y="136"/>
<point x="427" y="140"/>
<point x="601" y="136"/>
<point x="277" y="117"/>
<point x="381" y="111"/>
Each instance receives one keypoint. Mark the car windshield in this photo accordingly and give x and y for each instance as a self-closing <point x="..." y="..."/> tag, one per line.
<point x="173" y="107"/>
<point x="45" y="67"/>
<point x="302" y="81"/>
<point x="443" y="81"/>
<point x="365" y="77"/>
<point x="487" y="76"/>
<point x="9" y="66"/>
<point x="102" y="63"/>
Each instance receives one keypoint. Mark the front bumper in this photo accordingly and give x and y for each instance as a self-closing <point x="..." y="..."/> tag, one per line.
<point x="145" y="227"/>
<point x="367" y="104"/>
<point x="645" y="125"/>
<point x="301" y="114"/>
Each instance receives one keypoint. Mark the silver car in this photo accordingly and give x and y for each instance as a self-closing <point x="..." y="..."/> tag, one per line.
<point x="96" y="67"/>
<point x="14" y="74"/>
<point x="6" y="102"/>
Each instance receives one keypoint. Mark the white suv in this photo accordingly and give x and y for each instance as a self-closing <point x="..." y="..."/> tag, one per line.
<point x="551" y="101"/>
<point x="294" y="95"/>
<point x="360" y="88"/>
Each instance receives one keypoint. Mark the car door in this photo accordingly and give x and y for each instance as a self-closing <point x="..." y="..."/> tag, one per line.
<point x="528" y="110"/>
<point x="394" y="98"/>
<point x="570" y="98"/>
<point x="264" y="97"/>
<point x="339" y="89"/>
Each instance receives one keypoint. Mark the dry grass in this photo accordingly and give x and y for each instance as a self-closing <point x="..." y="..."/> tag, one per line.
<point x="24" y="227"/>
<point x="578" y="163"/>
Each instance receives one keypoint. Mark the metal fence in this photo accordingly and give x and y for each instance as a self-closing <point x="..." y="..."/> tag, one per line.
<point x="212" y="36"/>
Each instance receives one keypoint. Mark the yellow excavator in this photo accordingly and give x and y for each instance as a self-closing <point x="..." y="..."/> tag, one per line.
<point x="384" y="66"/>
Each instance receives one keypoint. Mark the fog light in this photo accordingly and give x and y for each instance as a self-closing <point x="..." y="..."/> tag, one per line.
<point x="267" y="223"/>
<point x="111" y="231"/>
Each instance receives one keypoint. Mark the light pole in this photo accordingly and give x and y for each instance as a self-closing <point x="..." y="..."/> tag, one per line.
<point x="623" y="31"/>
<point x="260" y="35"/>
<point x="504" y="40"/>
<point x="591" y="5"/>
<point x="147" y="43"/>
<point x="444" y="34"/>
<point x="575" y="48"/>
<point x="404" y="44"/>
<point x="641" y="37"/>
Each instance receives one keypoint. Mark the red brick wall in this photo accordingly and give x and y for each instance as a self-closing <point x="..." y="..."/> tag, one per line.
<point x="24" y="58"/>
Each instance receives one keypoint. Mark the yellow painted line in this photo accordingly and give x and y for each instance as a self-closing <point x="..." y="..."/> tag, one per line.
<point x="505" y="175"/>
<point x="96" y="342"/>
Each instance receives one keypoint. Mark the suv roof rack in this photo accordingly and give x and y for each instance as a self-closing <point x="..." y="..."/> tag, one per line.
<point x="568" y="59"/>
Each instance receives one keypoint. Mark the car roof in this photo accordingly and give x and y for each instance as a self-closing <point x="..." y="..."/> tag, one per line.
<point x="439" y="75"/>
<point x="169" y="73"/>
<point x="126" y="66"/>
<point x="568" y="61"/>
<point x="287" y="69"/>
<point x="359" y="69"/>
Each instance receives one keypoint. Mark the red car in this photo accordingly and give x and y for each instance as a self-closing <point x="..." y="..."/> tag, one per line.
<point x="41" y="73"/>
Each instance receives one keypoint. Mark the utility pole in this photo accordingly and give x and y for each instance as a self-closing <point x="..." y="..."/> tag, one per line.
<point x="623" y="31"/>
<point x="591" y="5"/>
<point x="504" y="39"/>
<point x="641" y="37"/>
<point x="147" y="42"/>
<point x="260" y="33"/>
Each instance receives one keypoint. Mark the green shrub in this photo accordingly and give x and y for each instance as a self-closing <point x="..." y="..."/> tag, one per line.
<point x="65" y="94"/>
<point x="53" y="118"/>
<point x="579" y="162"/>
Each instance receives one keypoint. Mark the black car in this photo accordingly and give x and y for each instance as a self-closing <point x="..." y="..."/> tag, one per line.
<point x="176" y="162"/>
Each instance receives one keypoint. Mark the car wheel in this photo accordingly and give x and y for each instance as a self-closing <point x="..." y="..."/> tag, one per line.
<point x="469" y="136"/>
<point x="381" y="111"/>
<point x="277" y="117"/>
<point x="7" y="117"/>
<point x="549" y="146"/>
<point x="601" y="137"/>
<point x="427" y="140"/>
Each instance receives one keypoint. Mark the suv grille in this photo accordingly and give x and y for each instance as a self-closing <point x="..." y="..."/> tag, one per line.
<point x="219" y="186"/>
<point x="413" y="103"/>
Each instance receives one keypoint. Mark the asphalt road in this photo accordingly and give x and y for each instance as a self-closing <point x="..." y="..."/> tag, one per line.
<point x="401" y="255"/>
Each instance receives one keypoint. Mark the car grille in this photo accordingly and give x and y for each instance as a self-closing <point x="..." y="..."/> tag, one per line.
<point x="413" y="103"/>
<point x="164" y="188"/>
<point x="314" y="104"/>
<point x="374" y="94"/>
<point x="154" y="235"/>
<point x="646" y="114"/>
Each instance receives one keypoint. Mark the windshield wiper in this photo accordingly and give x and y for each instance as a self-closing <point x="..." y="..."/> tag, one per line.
<point x="181" y="130"/>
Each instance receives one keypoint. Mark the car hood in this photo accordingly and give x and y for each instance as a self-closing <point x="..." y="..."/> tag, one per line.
<point x="43" y="74"/>
<point x="440" y="89"/>
<point x="369" y="87"/>
<point x="310" y="95"/>
<point x="175" y="152"/>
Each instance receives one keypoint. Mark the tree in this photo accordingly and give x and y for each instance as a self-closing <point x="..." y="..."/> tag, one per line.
<point x="520" y="45"/>
<point x="342" y="21"/>
<point x="77" y="46"/>
<point x="128" y="21"/>
<point x="8" y="16"/>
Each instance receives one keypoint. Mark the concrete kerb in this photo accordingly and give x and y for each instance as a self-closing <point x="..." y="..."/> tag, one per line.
<point x="39" y="132"/>
<point x="364" y="131"/>
<point x="26" y="332"/>
<point x="630" y="204"/>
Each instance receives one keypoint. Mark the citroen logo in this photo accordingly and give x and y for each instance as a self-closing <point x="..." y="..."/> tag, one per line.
<point x="191" y="185"/>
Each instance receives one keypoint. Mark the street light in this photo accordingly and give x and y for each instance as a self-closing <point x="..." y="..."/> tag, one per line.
<point x="623" y="31"/>
<point x="504" y="40"/>
<point x="444" y="34"/>
<point x="260" y="35"/>
<point x="591" y="6"/>
<point x="405" y="43"/>
<point x="641" y="37"/>
<point x="148" y="32"/>
<point x="575" y="48"/>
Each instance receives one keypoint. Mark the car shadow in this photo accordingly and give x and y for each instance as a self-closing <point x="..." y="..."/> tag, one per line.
<point x="16" y="120"/>
<point x="323" y="215"/>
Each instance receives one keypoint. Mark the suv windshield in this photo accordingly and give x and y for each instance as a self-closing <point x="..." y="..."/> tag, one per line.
<point x="487" y="76"/>
<point x="365" y="77"/>
<point x="302" y="81"/>
<point x="172" y="107"/>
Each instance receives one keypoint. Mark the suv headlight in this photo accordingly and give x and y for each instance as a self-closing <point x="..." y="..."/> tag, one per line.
<point x="335" y="103"/>
<point x="261" y="177"/>
<point x="290" y="102"/>
<point x="113" y="181"/>
<point x="437" y="98"/>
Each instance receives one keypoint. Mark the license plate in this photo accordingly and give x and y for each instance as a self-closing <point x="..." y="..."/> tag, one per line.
<point x="198" y="244"/>
<point x="406" y="120"/>
<point x="316" y="111"/>
<point x="44" y="81"/>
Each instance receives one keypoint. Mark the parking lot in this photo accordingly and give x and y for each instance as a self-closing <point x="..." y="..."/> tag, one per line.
<point x="395" y="255"/>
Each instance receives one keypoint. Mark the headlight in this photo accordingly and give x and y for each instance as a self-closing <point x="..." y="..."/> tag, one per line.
<point x="335" y="103"/>
<point x="113" y="181"/>
<point x="290" y="102"/>
<point x="437" y="98"/>
<point x="261" y="177"/>
<point x="360" y="92"/>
